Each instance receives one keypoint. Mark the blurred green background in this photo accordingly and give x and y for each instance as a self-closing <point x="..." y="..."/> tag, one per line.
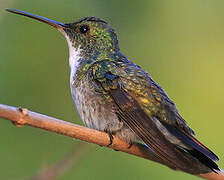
<point x="180" y="43"/>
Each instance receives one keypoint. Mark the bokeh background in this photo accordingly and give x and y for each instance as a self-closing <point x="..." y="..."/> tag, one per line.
<point x="180" y="43"/>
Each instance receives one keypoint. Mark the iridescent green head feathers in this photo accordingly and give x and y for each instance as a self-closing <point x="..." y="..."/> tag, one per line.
<point x="91" y="34"/>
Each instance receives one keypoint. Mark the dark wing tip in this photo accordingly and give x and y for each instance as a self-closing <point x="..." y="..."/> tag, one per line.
<point x="207" y="151"/>
<point x="192" y="142"/>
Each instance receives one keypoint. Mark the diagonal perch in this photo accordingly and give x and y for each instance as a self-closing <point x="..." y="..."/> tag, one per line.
<point x="21" y="117"/>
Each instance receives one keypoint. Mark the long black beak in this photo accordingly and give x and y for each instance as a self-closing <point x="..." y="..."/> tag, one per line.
<point x="53" y="23"/>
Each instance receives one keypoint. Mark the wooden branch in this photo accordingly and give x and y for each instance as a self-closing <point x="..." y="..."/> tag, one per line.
<point x="21" y="116"/>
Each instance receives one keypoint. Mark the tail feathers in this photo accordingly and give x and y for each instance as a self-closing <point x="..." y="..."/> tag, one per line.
<point x="196" y="149"/>
<point x="204" y="159"/>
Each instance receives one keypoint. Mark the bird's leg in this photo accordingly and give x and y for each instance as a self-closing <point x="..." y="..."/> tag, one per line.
<point x="110" y="136"/>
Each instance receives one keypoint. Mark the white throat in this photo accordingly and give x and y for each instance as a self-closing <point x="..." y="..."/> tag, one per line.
<point x="74" y="57"/>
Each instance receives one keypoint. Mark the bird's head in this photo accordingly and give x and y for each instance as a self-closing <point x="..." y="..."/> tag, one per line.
<point x="91" y="34"/>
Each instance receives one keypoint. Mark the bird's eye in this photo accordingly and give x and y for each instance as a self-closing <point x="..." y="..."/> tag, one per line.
<point x="84" y="29"/>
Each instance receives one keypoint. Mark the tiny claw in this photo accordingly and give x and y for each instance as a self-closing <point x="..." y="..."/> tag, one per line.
<point x="111" y="139"/>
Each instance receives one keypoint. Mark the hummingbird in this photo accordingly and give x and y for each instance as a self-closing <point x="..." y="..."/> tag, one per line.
<point x="114" y="95"/>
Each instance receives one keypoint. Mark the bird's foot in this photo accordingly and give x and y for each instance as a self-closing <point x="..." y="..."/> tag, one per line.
<point x="111" y="138"/>
<point x="110" y="134"/>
